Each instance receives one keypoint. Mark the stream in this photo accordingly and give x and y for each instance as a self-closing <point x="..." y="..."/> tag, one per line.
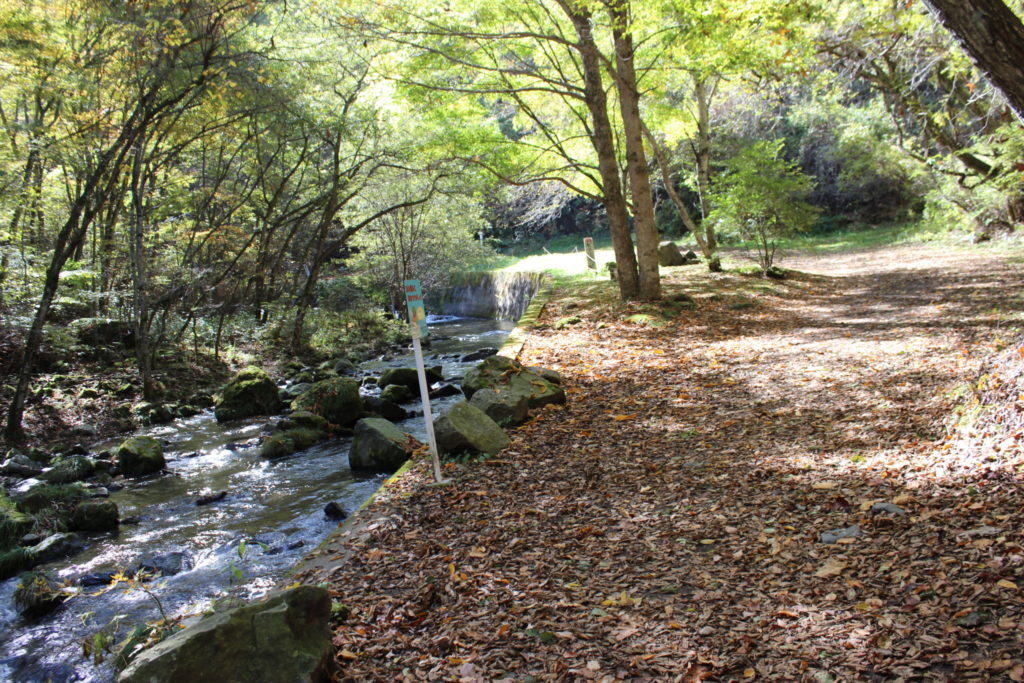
<point x="241" y="546"/>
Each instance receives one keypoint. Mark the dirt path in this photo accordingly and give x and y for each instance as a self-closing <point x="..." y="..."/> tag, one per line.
<point x="665" y="525"/>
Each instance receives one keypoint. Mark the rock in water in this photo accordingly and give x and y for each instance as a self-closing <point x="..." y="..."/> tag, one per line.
<point x="284" y="638"/>
<point x="212" y="498"/>
<point x="250" y="392"/>
<point x="333" y="510"/>
<point x="396" y="393"/>
<point x="99" y="515"/>
<point x="67" y="470"/>
<point x="479" y="354"/>
<point x="378" y="445"/>
<point x="386" y="409"/>
<point x="166" y="564"/>
<point x="139" y="456"/>
<point x="466" y="428"/>
<point x="336" y="399"/>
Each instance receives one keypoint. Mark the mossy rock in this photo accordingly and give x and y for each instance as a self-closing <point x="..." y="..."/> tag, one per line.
<point x="95" y="515"/>
<point x="39" y="498"/>
<point x="335" y="399"/>
<point x="378" y="446"/>
<point x="38" y="594"/>
<point x="396" y="393"/>
<point x="139" y="456"/>
<point x="566" y="322"/>
<point x="13" y="526"/>
<point x="303" y="418"/>
<point x="466" y="428"/>
<point x="250" y="392"/>
<point x="68" y="470"/>
<point x="304" y="437"/>
<point x="276" y="446"/>
<point x="491" y="372"/>
<point x="15" y="560"/>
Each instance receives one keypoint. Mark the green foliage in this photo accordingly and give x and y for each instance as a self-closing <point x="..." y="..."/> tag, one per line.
<point x="761" y="197"/>
<point x="363" y="330"/>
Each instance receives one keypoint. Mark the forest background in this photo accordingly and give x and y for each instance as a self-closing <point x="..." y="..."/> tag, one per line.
<point x="188" y="184"/>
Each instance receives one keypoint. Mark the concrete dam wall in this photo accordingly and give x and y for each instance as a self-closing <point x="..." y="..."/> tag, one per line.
<point x="503" y="296"/>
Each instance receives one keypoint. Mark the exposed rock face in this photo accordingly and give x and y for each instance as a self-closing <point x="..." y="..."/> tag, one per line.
<point x="378" y="445"/>
<point x="336" y="399"/>
<point x="506" y="375"/>
<point x="282" y="639"/>
<point x="250" y="392"/>
<point x="99" y="515"/>
<point x="466" y="428"/>
<point x="139" y="456"/>
<point x="505" y="408"/>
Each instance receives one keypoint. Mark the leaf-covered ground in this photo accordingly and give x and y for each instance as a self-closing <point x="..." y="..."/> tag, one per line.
<point x="665" y="525"/>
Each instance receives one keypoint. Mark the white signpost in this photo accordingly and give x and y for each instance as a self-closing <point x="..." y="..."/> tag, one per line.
<point x="418" y="325"/>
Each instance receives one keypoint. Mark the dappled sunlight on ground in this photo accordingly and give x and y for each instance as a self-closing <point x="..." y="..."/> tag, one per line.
<point x="665" y="524"/>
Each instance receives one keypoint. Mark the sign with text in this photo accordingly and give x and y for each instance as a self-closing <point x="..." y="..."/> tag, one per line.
<point x="417" y="311"/>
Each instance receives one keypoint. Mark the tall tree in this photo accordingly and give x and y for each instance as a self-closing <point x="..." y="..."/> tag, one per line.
<point x="993" y="35"/>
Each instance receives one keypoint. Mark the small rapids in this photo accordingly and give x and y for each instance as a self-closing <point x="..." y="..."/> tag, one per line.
<point x="241" y="546"/>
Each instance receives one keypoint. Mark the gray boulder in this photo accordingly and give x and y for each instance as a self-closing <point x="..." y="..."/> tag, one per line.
<point x="409" y="378"/>
<point x="490" y="373"/>
<point x="386" y="409"/>
<point x="95" y="515"/>
<point x="466" y="428"/>
<point x="284" y="638"/>
<point x="505" y="408"/>
<point x="57" y="546"/>
<point x="139" y="456"/>
<point x="378" y="445"/>
<point x="20" y="465"/>
<point x="836" y="535"/>
<point x="166" y="564"/>
<point x="506" y="375"/>
<point x="669" y="255"/>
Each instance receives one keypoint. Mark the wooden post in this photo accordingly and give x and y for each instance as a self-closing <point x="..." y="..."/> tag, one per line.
<point x="588" y="246"/>
<point x="418" y="328"/>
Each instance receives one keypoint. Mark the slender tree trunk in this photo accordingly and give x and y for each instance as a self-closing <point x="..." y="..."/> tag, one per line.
<point x="603" y="139"/>
<point x="636" y="159"/>
<point x="140" y="285"/>
<point x="704" y="89"/>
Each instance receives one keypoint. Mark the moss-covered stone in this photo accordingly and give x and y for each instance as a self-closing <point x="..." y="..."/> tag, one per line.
<point x="303" y="418"/>
<point x="285" y="637"/>
<point x="68" y="470"/>
<point x="95" y="515"/>
<point x="276" y="446"/>
<point x="466" y="428"/>
<point x="38" y="594"/>
<point x="491" y="372"/>
<point x="396" y="393"/>
<point x="250" y="392"/>
<point x="139" y="456"/>
<point x="304" y="437"/>
<point x="13" y="526"/>
<point x="45" y="496"/>
<point x="379" y="446"/>
<point x="335" y="399"/>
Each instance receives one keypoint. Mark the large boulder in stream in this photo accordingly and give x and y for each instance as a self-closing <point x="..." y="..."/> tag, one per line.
<point x="467" y="429"/>
<point x="250" y="392"/>
<point x="139" y="456"/>
<point x="336" y="399"/>
<point x="67" y="470"/>
<point x="284" y="638"/>
<point x="379" y="445"/>
<point x="505" y="375"/>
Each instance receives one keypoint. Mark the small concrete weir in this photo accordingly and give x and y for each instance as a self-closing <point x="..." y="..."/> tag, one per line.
<point x="501" y="295"/>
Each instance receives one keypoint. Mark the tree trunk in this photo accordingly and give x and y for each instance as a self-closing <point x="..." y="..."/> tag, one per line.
<point x="603" y="139"/>
<point x="636" y="159"/>
<point x="993" y="36"/>
<point x="704" y="89"/>
<point x="140" y="288"/>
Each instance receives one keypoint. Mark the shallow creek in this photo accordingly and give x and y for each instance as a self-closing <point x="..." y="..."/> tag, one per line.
<point x="241" y="546"/>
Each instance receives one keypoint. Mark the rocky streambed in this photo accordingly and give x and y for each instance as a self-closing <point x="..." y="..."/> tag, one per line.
<point x="220" y="522"/>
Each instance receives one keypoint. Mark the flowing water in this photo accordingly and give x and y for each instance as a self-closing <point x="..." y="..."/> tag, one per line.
<point x="242" y="546"/>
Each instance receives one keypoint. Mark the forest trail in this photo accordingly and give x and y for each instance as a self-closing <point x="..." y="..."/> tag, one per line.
<point x="665" y="525"/>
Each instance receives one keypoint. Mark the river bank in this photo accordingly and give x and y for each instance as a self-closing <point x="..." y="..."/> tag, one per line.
<point x="240" y="545"/>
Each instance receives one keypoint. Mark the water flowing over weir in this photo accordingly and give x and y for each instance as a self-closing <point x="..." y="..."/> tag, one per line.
<point x="503" y="296"/>
<point x="274" y="507"/>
